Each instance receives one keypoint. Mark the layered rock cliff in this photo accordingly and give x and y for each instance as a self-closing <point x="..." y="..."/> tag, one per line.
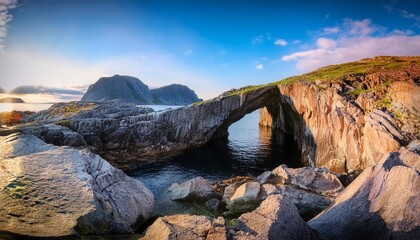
<point x="347" y="116"/>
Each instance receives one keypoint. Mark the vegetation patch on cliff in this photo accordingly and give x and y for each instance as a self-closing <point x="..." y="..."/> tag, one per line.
<point x="354" y="69"/>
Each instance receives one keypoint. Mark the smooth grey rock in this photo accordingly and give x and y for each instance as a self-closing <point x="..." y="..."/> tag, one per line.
<point x="382" y="203"/>
<point x="197" y="189"/>
<point x="244" y="199"/>
<point x="317" y="180"/>
<point x="185" y="226"/>
<point x="61" y="192"/>
<point x="276" y="218"/>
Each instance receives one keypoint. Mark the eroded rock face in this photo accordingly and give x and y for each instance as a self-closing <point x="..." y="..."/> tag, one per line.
<point x="185" y="226"/>
<point x="52" y="191"/>
<point x="275" y="218"/>
<point x="197" y="189"/>
<point x="381" y="203"/>
<point x="349" y="124"/>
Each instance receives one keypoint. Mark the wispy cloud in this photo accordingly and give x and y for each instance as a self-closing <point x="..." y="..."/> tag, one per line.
<point x="189" y="52"/>
<point x="280" y="42"/>
<point x="258" y="39"/>
<point x="331" y="30"/>
<point x="5" y="18"/>
<point x="45" y="90"/>
<point x="259" y="66"/>
<point x="409" y="15"/>
<point x="358" y="40"/>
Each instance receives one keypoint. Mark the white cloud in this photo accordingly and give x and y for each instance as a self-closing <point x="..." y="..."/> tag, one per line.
<point x="280" y="42"/>
<point x="356" y="43"/>
<point x="5" y="18"/>
<point x="331" y="30"/>
<point x="402" y="32"/>
<point x="189" y="52"/>
<point x="359" y="28"/>
<point x="259" y="66"/>
<point x="325" y="43"/>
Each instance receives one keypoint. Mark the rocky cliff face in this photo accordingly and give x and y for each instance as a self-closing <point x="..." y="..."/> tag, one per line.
<point x="349" y="122"/>
<point x="125" y="88"/>
<point x="174" y="94"/>
<point x="344" y="117"/>
<point x="131" y="89"/>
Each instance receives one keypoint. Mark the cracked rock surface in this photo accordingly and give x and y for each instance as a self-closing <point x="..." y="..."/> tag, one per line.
<point x="48" y="191"/>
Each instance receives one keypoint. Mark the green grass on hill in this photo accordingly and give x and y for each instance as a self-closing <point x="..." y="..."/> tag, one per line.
<point x="341" y="71"/>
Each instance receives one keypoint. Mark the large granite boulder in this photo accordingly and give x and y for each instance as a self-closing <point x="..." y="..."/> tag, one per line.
<point x="50" y="191"/>
<point x="197" y="189"/>
<point x="382" y="203"/>
<point x="316" y="180"/>
<point x="243" y="199"/>
<point x="276" y="218"/>
<point x="185" y="226"/>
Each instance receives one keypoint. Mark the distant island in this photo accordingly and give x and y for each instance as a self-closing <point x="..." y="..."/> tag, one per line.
<point x="131" y="89"/>
<point x="11" y="100"/>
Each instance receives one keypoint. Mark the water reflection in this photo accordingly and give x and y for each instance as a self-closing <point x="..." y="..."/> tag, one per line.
<point x="249" y="150"/>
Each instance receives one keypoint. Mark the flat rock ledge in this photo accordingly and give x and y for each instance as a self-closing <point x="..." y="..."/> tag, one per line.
<point x="61" y="192"/>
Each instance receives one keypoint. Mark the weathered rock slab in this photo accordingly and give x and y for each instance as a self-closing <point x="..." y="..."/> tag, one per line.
<point x="185" y="226"/>
<point x="197" y="189"/>
<point x="382" y="203"/>
<point x="275" y="218"/>
<point x="60" y="192"/>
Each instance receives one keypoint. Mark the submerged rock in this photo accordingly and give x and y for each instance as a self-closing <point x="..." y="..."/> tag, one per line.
<point x="382" y="203"/>
<point x="50" y="191"/>
<point x="276" y="218"/>
<point x="185" y="226"/>
<point x="197" y="189"/>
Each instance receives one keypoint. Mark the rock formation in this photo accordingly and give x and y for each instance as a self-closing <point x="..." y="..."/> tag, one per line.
<point x="347" y="116"/>
<point x="131" y="89"/>
<point x="197" y="189"/>
<point x="275" y="218"/>
<point x="345" y="122"/>
<point x="184" y="226"/>
<point x="382" y="203"/>
<point x="50" y="191"/>
<point x="174" y="94"/>
<point x="11" y="100"/>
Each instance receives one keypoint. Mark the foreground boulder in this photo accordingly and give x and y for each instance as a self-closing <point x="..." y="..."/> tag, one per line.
<point x="197" y="189"/>
<point x="244" y="198"/>
<point x="50" y="191"/>
<point x="276" y="218"/>
<point x="382" y="203"/>
<point x="185" y="226"/>
<point x="312" y="179"/>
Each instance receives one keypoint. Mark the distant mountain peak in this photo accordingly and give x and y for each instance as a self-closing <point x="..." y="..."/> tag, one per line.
<point x="132" y="89"/>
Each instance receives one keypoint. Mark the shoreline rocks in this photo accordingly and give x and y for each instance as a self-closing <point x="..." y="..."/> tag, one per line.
<point x="381" y="203"/>
<point x="50" y="191"/>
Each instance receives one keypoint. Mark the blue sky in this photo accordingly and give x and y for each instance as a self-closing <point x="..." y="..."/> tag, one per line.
<point x="211" y="46"/>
